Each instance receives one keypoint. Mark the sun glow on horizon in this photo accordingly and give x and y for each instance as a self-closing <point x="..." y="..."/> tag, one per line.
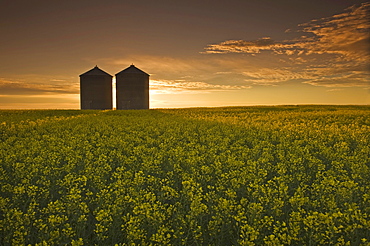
<point x="114" y="92"/>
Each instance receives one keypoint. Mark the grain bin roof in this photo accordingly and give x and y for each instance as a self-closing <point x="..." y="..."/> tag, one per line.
<point x="132" y="69"/>
<point x="96" y="71"/>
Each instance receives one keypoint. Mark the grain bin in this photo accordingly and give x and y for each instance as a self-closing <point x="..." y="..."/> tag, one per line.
<point x="132" y="89"/>
<point x="96" y="89"/>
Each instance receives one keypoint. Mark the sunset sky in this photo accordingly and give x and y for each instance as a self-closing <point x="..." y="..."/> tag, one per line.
<point x="198" y="52"/>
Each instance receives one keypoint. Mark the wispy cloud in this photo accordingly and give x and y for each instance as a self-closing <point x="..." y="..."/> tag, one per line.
<point x="241" y="46"/>
<point x="183" y="87"/>
<point x="270" y="76"/>
<point x="332" y="51"/>
<point x="56" y="86"/>
<point x="350" y="79"/>
<point x="190" y="74"/>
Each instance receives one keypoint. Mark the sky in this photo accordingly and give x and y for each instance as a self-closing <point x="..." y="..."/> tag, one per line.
<point x="199" y="53"/>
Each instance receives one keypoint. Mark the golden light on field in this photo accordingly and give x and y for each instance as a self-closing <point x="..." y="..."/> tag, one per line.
<point x="186" y="177"/>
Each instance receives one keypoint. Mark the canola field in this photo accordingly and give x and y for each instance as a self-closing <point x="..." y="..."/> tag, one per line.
<point x="284" y="175"/>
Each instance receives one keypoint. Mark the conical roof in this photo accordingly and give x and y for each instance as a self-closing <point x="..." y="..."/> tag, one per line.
<point x="132" y="69"/>
<point x="96" y="71"/>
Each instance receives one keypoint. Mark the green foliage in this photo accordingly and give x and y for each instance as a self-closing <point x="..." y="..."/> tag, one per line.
<point x="290" y="175"/>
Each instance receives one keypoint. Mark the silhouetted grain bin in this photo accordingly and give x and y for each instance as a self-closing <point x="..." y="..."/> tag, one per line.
<point x="132" y="89"/>
<point x="96" y="89"/>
